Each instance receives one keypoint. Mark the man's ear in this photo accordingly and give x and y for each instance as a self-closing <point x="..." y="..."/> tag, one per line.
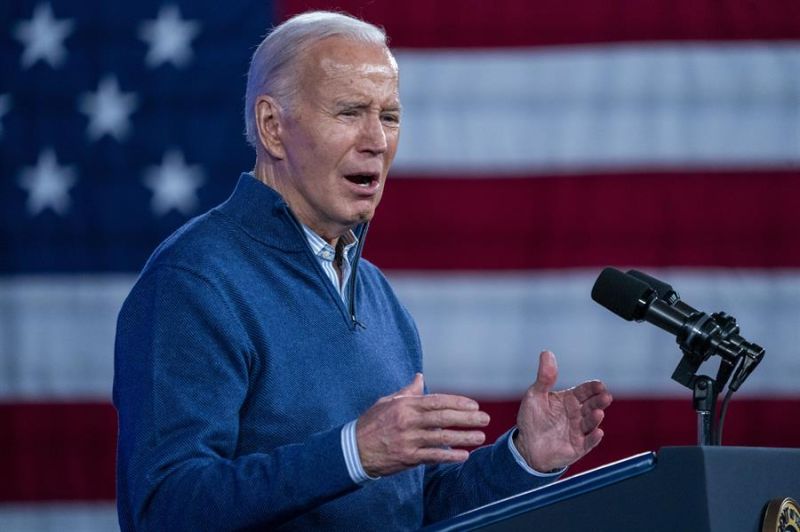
<point x="269" y="127"/>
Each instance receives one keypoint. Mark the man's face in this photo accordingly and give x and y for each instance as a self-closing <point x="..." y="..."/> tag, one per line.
<point x="340" y="135"/>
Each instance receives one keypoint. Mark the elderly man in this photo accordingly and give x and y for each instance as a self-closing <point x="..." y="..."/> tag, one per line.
<point x="267" y="376"/>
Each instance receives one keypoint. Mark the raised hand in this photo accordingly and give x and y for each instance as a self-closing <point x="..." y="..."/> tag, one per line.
<point x="408" y="428"/>
<point x="558" y="428"/>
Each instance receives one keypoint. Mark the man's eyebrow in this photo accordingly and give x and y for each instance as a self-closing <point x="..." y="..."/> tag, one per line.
<point x="351" y="105"/>
<point x="394" y="107"/>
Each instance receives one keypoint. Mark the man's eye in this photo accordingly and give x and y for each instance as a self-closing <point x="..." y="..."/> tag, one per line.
<point x="391" y="119"/>
<point x="349" y="112"/>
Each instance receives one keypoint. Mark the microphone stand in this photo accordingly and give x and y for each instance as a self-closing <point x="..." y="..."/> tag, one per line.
<point x="704" y="391"/>
<point x="705" y="404"/>
<point x="732" y="353"/>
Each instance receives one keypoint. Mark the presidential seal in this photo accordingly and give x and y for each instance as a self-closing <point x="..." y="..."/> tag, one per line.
<point x="782" y="515"/>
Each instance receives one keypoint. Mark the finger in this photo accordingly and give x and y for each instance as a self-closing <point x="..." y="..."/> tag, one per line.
<point x="597" y="402"/>
<point x="547" y="373"/>
<point x="415" y="387"/>
<point x="588" y="389"/>
<point x="592" y="439"/>
<point x="449" y="438"/>
<point x="591" y="421"/>
<point x="453" y="418"/>
<point x="433" y="455"/>
<point x="441" y="401"/>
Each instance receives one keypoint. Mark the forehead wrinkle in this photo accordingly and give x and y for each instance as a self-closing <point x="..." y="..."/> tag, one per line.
<point x="346" y="94"/>
<point x="333" y="67"/>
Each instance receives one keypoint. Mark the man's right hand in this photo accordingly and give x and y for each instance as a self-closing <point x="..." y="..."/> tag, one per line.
<point x="409" y="428"/>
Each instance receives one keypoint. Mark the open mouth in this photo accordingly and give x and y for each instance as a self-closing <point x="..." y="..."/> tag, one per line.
<point x="363" y="180"/>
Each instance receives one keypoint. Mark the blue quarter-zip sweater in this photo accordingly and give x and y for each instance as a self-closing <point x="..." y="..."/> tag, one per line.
<point x="237" y="365"/>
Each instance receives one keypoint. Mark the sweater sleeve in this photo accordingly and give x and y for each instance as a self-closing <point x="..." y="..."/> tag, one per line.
<point x="181" y="378"/>
<point x="491" y="473"/>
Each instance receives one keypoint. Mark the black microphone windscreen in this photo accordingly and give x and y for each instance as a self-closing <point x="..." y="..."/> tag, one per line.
<point x="620" y="293"/>
<point x="662" y="288"/>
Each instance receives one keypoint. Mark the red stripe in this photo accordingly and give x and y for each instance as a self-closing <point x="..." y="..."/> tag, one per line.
<point x="65" y="452"/>
<point x="633" y="426"/>
<point x="729" y="219"/>
<point x="478" y="23"/>
<point x="57" y="452"/>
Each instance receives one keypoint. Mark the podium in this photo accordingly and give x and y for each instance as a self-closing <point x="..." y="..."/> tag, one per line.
<point x="687" y="489"/>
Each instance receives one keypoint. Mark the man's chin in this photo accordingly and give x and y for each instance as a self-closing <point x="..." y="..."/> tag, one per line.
<point x="357" y="215"/>
<point x="363" y="215"/>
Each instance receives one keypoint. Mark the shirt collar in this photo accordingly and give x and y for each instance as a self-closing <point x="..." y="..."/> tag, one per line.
<point x="325" y="251"/>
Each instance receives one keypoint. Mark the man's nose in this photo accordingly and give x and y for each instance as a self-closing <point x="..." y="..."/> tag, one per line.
<point x="373" y="135"/>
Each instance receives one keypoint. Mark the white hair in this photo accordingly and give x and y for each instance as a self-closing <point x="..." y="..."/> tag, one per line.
<point x="272" y="66"/>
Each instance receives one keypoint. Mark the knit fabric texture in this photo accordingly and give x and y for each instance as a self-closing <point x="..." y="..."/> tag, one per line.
<point x="237" y="365"/>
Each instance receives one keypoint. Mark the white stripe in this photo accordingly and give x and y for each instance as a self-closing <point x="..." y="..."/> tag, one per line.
<point x="597" y="108"/>
<point x="57" y="335"/>
<point x="57" y="517"/>
<point x="481" y="333"/>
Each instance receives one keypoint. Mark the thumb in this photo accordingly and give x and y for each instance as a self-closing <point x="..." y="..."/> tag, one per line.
<point x="416" y="387"/>
<point x="547" y="374"/>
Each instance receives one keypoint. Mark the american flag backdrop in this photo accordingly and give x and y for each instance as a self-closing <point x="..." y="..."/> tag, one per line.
<point x="541" y="141"/>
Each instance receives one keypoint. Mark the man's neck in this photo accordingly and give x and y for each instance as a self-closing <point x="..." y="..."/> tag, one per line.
<point x="265" y="172"/>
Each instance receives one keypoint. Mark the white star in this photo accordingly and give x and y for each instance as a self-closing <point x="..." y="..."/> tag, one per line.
<point x="5" y="105"/>
<point x="174" y="184"/>
<point x="108" y="109"/>
<point x="47" y="184"/>
<point x="168" y="36"/>
<point x="43" y="37"/>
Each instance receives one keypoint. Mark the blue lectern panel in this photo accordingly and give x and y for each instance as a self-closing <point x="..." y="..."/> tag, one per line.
<point x="553" y="493"/>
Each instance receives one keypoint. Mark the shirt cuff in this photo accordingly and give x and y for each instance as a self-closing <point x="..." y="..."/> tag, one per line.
<point x="523" y="464"/>
<point x="351" y="457"/>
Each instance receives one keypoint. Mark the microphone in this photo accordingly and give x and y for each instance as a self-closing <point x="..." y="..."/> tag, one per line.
<point x="664" y="291"/>
<point x="636" y="296"/>
<point x="633" y="299"/>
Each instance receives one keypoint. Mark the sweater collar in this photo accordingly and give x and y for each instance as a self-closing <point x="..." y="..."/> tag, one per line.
<point x="266" y="217"/>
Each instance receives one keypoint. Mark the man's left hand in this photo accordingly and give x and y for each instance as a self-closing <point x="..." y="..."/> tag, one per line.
<point x="558" y="428"/>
